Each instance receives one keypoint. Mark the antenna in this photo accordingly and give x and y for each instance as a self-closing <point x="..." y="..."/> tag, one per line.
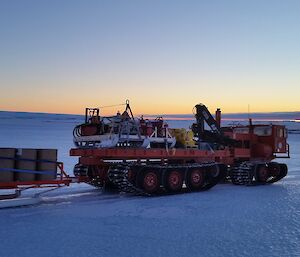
<point x="250" y="120"/>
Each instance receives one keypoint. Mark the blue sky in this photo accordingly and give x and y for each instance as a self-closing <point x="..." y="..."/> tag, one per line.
<point x="165" y="56"/>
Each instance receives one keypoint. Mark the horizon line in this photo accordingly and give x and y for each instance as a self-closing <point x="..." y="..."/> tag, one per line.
<point x="157" y="115"/>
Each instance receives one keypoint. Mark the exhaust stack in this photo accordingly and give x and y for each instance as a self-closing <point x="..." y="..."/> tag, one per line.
<point x="218" y="116"/>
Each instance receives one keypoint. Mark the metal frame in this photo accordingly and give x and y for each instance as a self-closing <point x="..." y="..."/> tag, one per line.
<point x="63" y="179"/>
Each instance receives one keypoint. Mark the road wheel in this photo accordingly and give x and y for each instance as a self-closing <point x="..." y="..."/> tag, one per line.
<point x="149" y="181"/>
<point x="195" y="179"/>
<point x="274" y="169"/>
<point x="283" y="169"/>
<point x="173" y="181"/>
<point x="262" y="174"/>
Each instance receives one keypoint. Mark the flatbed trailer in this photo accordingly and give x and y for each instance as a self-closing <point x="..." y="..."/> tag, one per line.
<point x="61" y="179"/>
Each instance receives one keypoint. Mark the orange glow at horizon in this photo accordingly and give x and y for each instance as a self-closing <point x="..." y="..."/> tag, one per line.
<point x="164" y="58"/>
<point x="138" y="109"/>
<point x="160" y="95"/>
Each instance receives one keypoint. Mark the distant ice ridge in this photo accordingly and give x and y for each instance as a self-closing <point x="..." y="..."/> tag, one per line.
<point x="47" y="117"/>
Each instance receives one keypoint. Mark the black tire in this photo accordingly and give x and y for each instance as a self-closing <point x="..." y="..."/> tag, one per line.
<point x="148" y="181"/>
<point x="195" y="179"/>
<point x="283" y="170"/>
<point x="274" y="169"/>
<point x="173" y="181"/>
<point x="262" y="173"/>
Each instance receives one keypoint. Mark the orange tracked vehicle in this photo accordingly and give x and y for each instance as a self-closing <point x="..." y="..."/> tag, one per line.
<point x="146" y="157"/>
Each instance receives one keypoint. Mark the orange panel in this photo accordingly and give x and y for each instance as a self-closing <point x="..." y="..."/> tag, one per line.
<point x="137" y="153"/>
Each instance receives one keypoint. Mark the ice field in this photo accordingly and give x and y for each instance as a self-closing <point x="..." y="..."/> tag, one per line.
<point x="82" y="221"/>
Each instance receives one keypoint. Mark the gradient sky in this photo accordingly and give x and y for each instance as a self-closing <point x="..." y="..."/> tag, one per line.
<point x="165" y="56"/>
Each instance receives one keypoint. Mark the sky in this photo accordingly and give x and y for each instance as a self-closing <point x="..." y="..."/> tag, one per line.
<point x="164" y="56"/>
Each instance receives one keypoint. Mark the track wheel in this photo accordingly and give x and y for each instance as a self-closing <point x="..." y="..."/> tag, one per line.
<point x="173" y="181"/>
<point x="214" y="171"/>
<point x="149" y="181"/>
<point x="283" y="169"/>
<point x="274" y="169"/>
<point x="262" y="173"/>
<point x="195" y="179"/>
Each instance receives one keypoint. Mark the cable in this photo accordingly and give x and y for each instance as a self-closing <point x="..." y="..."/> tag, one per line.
<point x="108" y="106"/>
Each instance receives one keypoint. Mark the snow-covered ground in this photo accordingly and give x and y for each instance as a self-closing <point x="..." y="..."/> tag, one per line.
<point x="82" y="221"/>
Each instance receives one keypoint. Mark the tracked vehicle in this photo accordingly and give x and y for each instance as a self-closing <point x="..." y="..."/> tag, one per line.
<point x="146" y="157"/>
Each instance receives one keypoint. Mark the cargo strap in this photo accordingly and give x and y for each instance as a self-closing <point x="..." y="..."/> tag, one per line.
<point x="28" y="171"/>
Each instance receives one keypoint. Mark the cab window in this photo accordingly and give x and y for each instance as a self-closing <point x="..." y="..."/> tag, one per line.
<point x="280" y="132"/>
<point x="263" y="131"/>
<point x="241" y="130"/>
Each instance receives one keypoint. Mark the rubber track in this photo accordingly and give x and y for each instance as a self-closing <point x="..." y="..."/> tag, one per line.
<point x="244" y="174"/>
<point x="118" y="175"/>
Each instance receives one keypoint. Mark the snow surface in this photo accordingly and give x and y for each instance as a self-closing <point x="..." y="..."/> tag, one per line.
<point x="80" y="221"/>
